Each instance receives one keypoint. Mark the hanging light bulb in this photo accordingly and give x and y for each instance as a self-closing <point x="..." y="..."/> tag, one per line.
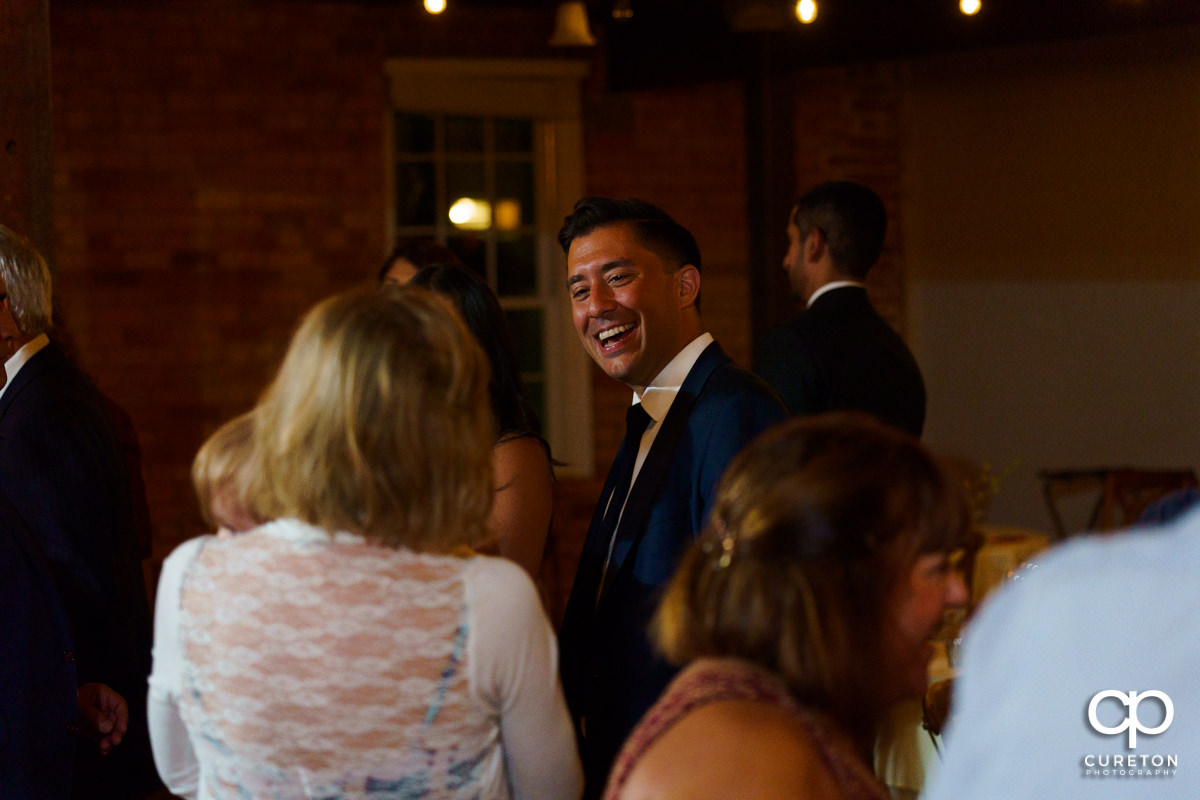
<point x="571" y="26"/>
<point x="969" y="7"/>
<point x="435" y="6"/>
<point x="806" y="10"/>
<point x="622" y="10"/>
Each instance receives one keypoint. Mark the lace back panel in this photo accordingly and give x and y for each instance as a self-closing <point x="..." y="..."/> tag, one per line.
<point x="329" y="669"/>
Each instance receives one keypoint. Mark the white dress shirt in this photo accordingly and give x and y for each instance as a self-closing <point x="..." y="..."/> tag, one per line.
<point x="1117" y="612"/>
<point x="17" y="360"/>
<point x="656" y="400"/>
<point x="829" y="287"/>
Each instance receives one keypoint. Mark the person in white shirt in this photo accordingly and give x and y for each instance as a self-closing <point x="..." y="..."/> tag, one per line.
<point x="1079" y="679"/>
<point x="353" y="646"/>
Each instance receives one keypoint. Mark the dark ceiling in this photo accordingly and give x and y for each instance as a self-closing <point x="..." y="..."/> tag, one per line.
<point x="679" y="41"/>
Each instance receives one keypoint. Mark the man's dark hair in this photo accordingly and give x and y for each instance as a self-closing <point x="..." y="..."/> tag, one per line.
<point x="652" y="226"/>
<point x="852" y="219"/>
<point x="420" y="253"/>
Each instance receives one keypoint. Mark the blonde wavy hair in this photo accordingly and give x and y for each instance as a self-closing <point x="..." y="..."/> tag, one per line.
<point x="378" y="423"/>
<point x="221" y="465"/>
<point x="815" y="525"/>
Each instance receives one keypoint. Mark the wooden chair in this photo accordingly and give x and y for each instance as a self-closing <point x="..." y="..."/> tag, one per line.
<point x="935" y="708"/>
<point x="1122" y="493"/>
<point x="1127" y="492"/>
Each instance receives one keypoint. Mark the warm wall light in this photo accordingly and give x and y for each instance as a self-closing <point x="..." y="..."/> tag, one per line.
<point x="470" y="214"/>
<point x="969" y="7"/>
<point x="806" y="10"/>
<point x="435" y="6"/>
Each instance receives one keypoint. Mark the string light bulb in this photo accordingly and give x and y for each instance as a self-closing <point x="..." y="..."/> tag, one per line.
<point x="435" y="6"/>
<point x="969" y="7"/>
<point x="806" y="10"/>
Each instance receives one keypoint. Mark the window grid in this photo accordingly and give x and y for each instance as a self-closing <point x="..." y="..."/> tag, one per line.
<point x="529" y="340"/>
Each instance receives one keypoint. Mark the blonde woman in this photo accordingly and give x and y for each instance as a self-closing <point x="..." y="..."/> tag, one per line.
<point x="218" y="475"/>
<point x="802" y="614"/>
<point x="340" y="650"/>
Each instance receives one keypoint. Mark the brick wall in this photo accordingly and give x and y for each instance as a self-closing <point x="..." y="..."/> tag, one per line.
<point x="847" y="127"/>
<point x="219" y="167"/>
<point x="681" y="149"/>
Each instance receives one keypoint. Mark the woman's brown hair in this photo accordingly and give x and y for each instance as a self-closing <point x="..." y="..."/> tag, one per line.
<point x="814" y="525"/>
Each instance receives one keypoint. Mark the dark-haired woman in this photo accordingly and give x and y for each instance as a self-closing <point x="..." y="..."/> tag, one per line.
<point x="523" y="475"/>
<point x="802" y="614"/>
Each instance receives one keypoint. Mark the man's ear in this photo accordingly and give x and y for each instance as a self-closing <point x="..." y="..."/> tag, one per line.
<point x="814" y="246"/>
<point x="689" y="285"/>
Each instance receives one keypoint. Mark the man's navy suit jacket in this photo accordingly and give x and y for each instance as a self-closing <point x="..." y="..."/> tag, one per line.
<point x="61" y="466"/>
<point x="610" y="672"/>
<point x="840" y="355"/>
<point x="37" y="675"/>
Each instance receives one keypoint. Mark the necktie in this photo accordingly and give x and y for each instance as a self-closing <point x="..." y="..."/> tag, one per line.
<point x="636" y="422"/>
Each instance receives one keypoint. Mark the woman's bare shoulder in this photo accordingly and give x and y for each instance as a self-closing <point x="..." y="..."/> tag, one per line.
<point x="517" y="452"/>
<point x="731" y="750"/>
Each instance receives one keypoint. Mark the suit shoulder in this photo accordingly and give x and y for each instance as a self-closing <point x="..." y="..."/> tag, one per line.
<point x="733" y="393"/>
<point x="731" y="381"/>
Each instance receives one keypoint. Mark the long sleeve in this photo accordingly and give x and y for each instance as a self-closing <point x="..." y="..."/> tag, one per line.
<point x="173" y="755"/>
<point x="513" y="669"/>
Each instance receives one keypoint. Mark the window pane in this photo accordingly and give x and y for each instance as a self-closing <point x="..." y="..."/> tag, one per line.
<point x="465" y="180"/>
<point x="414" y="194"/>
<point x="525" y="325"/>
<point x="516" y="264"/>
<point x="472" y="250"/>
<point x="414" y="133"/>
<point x="514" y="183"/>
<point x="464" y="134"/>
<point x="514" y="135"/>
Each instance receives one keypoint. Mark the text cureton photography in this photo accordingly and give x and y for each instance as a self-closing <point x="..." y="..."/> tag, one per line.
<point x="1130" y="765"/>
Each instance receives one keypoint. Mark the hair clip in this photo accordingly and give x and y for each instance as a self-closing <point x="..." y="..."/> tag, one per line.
<point x="727" y="544"/>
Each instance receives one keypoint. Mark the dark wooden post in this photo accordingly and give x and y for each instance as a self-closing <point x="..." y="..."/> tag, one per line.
<point x="770" y="182"/>
<point x="26" y="146"/>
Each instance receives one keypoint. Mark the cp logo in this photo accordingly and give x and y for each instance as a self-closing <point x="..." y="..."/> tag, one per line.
<point x="1131" y="723"/>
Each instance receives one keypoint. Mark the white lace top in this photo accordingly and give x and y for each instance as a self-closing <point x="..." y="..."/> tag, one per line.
<point x="291" y="665"/>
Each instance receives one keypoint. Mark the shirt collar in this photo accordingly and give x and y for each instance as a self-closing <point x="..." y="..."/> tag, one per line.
<point x="656" y="399"/>
<point x="829" y="287"/>
<point x="17" y="360"/>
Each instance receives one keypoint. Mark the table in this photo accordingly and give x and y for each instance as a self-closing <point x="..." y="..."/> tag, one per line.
<point x="1004" y="549"/>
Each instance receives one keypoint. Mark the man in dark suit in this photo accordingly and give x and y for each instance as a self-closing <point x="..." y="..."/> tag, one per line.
<point x="45" y="710"/>
<point x="839" y="354"/>
<point x="62" y="468"/>
<point x="633" y="275"/>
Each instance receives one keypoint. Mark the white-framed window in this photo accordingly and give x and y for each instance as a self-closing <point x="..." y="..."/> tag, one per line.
<point x="486" y="157"/>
